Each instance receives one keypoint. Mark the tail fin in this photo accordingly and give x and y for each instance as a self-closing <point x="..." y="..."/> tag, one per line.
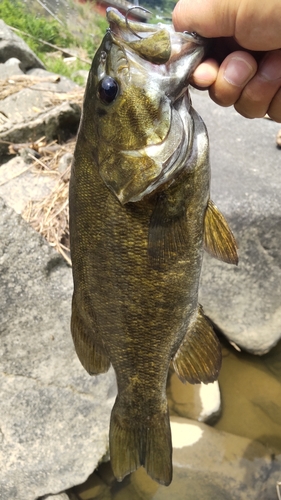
<point x="134" y="443"/>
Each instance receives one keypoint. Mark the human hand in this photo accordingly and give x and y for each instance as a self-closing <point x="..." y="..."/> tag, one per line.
<point x="244" y="69"/>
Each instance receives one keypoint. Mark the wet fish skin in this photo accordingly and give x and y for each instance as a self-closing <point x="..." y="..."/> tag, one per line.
<point x="139" y="198"/>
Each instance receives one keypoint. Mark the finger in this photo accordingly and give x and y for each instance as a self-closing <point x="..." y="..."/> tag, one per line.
<point x="256" y="97"/>
<point x="274" y="110"/>
<point x="255" y="25"/>
<point x="235" y="72"/>
<point x="258" y="24"/>
<point x="205" y="74"/>
<point x="209" y="18"/>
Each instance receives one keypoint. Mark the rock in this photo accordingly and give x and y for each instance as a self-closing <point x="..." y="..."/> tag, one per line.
<point x="30" y="115"/>
<point x="10" y="68"/>
<point x="54" y="416"/>
<point x="209" y="464"/>
<point x="199" y="401"/>
<point x="61" y="496"/>
<point x="18" y="185"/>
<point x="28" y="154"/>
<point x="62" y="84"/>
<point x="64" y="166"/>
<point x="245" y="301"/>
<point x="12" y="45"/>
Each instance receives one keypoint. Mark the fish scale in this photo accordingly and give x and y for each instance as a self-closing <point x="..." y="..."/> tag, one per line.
<point x="140" y="215"/>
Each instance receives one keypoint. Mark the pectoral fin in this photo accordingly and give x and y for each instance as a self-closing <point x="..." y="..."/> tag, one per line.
<point x="168" y="235"/>
<point x="218" y="238"/>
<point x="93" y="359"/>
<point x="199" y="356"/>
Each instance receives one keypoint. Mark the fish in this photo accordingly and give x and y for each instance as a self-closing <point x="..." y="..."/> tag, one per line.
<point x="140" y="218"/>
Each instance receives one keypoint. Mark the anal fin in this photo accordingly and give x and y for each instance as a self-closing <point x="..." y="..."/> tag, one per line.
<point x="92" y="357"/>
<point x="218" y="237"/>
<point x="198" y="359"/>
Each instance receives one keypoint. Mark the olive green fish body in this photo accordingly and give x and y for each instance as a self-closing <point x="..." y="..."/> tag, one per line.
<point x="139" y="199"/>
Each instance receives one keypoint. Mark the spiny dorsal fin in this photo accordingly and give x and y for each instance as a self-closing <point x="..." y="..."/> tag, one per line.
<point x="198" y="359"/>
<point x="218" y="237"/>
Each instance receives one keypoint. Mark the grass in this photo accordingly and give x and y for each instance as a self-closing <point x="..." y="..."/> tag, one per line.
<point x="81" y="33"/>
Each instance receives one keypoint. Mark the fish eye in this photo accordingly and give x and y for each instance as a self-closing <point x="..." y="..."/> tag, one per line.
<point x="107" y="89"/>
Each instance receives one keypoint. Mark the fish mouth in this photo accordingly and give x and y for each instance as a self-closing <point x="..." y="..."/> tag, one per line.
<point x="130" y="30"/>
<point x="158" y="44"/>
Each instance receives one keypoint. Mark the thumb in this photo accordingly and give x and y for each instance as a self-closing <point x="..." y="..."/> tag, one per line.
<point x="209" y="18"/>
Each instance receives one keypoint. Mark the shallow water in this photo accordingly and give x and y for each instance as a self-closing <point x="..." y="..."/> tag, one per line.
<point x="251" y="396"/>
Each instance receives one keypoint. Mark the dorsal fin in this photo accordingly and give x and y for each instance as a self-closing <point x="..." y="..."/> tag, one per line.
<point x="218" y="237"/>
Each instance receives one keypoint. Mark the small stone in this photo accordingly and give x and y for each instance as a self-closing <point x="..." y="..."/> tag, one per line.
<point x="10" y="68"/>
<point x="64" y="166"/>
<point x="69" y="60"/>
<point x="28" y="154"/>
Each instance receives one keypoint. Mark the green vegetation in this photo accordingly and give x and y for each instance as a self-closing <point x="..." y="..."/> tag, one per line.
<point x="160" y="7"/>
<point x="81" y="33"/>
<point x="15" y="14"/>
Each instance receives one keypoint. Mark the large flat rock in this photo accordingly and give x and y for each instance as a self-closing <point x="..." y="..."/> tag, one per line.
<point x="54" y="417"/>
<point x="245" y="301"/>
<point x="30" y="113"/>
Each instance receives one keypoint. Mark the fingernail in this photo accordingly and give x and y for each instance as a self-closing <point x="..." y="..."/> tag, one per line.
<point x="270" y="68"/>
<point x="237" y="72"/>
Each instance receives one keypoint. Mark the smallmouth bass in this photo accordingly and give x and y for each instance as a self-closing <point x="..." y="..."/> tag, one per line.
<point x="140" y="215"/>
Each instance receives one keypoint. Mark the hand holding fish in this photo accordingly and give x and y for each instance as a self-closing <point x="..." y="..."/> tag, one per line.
<point x="244" y="68"/>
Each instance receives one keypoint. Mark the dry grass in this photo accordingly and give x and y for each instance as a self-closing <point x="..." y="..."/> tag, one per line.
<point x="50" y="216"/>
